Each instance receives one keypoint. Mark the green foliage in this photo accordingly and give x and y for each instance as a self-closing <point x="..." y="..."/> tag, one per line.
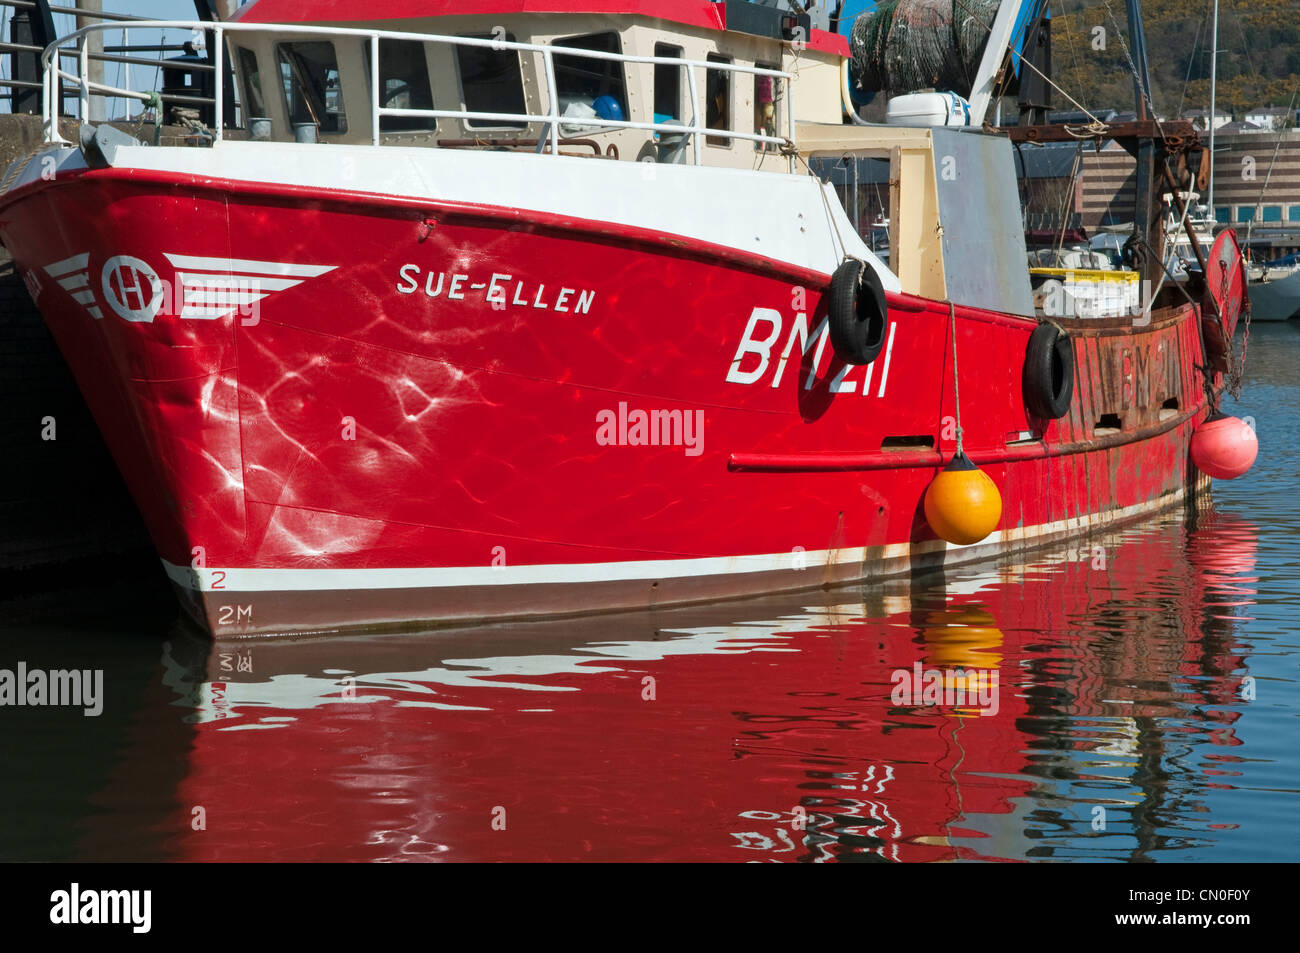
<point x="1259" y="53"/>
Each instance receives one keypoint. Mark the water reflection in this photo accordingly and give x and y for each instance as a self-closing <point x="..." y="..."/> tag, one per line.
<point x="767" y="730"/>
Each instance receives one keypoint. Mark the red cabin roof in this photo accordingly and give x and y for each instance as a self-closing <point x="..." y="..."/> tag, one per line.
<point x="701" y="13"/>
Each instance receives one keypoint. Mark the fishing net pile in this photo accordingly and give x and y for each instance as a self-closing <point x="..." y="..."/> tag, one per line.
<point x="905" y="45"/>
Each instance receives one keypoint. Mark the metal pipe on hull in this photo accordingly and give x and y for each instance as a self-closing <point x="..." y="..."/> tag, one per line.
<point x="95" y="45"/>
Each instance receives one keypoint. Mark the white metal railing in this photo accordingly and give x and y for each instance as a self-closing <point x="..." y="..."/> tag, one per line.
<point x="55" y="74"/>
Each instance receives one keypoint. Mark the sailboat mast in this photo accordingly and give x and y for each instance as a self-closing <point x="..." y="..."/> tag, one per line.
<point x="1214" y="75"/>
<point x="1141" y="73"/>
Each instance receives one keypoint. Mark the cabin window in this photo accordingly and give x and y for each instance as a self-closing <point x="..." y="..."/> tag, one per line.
<point x="1245" y="213"/>
<point x="1222" y="214"/>
<point x="1293" y="213"/>
<point x="767" y="93"/>
<point x="668" y="84"/>
<point x="587" y="87"/>
<point x="862" y="186"/>
<point x="403" y="84"/>
<point x="309" y="72"/>
<point x="254" y="104"/>
<point x="717" y="96"/>
<point x="1272" y="213"/>
<point x="491" y="81"/>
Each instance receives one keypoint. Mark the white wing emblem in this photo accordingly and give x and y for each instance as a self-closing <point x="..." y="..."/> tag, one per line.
<point x="73" y="276"/>
<point x="211" y="288"/>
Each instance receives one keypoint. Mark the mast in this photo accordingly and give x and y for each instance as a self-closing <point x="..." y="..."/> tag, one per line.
<point x="1141" y="74"/>
<point x="1148" y="223"/>
<point x="1214" y="70"/>
<point x="995" y="49"/>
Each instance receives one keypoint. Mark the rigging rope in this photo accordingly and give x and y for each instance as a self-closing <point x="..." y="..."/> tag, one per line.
<point x="1068" y="195"/>
<point x="1132" y="68"/>
<point x="1191" y="60"/>
<point x="956" y="391"/>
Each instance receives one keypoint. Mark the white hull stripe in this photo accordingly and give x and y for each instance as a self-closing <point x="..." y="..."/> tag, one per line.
<point x="323" y="580"/>
<point x="799" y="221"/>
<point x="787" y="226"/>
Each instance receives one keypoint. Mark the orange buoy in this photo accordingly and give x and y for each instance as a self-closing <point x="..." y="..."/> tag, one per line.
<point x="962" y="504"/>
<point x="1224" y="447"/>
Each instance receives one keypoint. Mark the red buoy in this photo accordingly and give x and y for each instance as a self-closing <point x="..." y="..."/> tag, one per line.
<point x="1224" y="447"/>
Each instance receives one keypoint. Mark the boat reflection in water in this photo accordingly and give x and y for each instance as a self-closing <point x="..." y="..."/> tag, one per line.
<point x="758" y="730"/>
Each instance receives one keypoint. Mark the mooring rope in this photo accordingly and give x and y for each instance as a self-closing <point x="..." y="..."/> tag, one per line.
<point x="956" y="389"/>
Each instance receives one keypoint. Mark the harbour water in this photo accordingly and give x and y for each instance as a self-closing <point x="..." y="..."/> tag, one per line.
<point x="1131" y="696"/>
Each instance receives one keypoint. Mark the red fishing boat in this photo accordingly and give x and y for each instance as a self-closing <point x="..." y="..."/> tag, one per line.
<point x="506" y="309"/>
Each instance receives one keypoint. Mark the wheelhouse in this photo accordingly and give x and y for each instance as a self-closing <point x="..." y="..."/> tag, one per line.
<point x="617" y="82"/>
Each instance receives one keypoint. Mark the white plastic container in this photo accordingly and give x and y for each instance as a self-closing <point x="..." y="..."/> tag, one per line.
<point x="928" y="109"/>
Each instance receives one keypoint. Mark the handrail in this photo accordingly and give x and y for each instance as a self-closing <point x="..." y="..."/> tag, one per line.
<point x="54" y="74"/>
<point x="71" y="11"/>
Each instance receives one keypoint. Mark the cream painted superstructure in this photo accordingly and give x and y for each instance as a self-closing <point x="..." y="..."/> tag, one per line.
<point x="816" y="89"/>
<point x="915" y="236"/>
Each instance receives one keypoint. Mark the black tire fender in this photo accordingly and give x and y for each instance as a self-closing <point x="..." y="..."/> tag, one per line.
<point x="857" y="312"/>
<point x="1048" y="380"/>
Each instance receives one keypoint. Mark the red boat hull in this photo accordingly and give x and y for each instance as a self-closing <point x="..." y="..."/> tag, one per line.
<point x="432" y="414"/>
